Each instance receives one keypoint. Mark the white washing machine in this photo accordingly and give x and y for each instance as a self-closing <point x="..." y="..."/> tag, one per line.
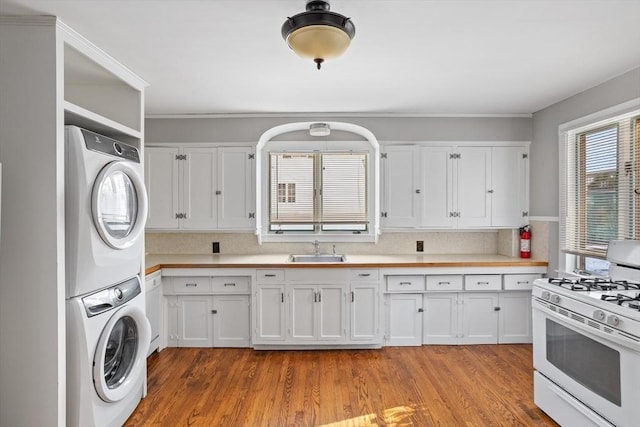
<point x="106" y="210"/>
<point x="108" y="337"/>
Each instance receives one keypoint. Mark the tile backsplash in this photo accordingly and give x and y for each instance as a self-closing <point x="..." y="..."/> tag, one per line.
<point x="505" y="242"/>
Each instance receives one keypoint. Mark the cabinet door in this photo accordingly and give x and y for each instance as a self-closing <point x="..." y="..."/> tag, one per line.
<point x="303" y="314"/>
<point x="515" y="317"/>
<point x="405" y="319"/>
<point x="153" y="308"/>
<point x="437" y="187"/>
<point x="231" y="321"/>
<point x="479" y="318"/>
<point x="270" y="313"/>
<point x="195" y="321"/>
<point x="473" y="186"/>
<point x="509" y="199"/>
<point x="331" y="313"/>
<point x="402" y="191"/>
<point x="170" y="311"/>
<point x="441" y="318"/>
<point x="364" y="312"/>
<point x="161" y="175"/>
<point x="198" y="189"/>
<point x="235" y="199"/>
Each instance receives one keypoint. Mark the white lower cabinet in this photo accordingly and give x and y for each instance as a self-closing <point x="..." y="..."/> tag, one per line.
<point x="405" y="320"/>
<point x="300" y="307"/>
<point x="364" y="312"/>
<point x="515" y="318"/>
<point x="477" y="317"/>
<point x="270" y="314"/>
<point x="441" y="318"/>
<point x="205" y="312"/>
<point x="317" y="313"/>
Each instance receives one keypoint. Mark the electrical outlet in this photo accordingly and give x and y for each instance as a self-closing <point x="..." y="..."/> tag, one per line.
<point x="215" y="247"/>
<point x="419" y="245"/>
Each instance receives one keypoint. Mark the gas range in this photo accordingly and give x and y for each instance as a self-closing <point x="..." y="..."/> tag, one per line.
<point x="612" y="303"/>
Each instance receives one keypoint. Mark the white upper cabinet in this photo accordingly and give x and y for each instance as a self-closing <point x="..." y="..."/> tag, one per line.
<point x="199" y="188"/>
<point x="455" y="186"/>
<point x="437" y="187"/>
<point x="401" y="187"/>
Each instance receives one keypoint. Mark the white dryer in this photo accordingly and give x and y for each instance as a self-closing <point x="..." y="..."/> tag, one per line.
<point x="106" y="210"/>
<point x="108" y="337"/>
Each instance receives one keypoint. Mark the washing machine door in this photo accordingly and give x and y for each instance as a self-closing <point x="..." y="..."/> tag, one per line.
<point x="119" y="204"/>
<point x="120" y="358"/>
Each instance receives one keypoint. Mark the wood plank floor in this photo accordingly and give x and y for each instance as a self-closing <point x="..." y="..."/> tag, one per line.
<point x="485" y="385"/>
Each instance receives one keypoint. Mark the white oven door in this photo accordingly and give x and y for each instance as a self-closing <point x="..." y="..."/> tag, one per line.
<point x="598" y="369"/>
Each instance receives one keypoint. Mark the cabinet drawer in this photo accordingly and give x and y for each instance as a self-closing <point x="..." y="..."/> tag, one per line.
<point x="405" y="283"/>
<point x="270" y="275"/>
<point x="230" y="284"/>
<point x="444" y="283"/>
<point x="191" y="285"/>
<point x="482" y="282"/>
<point x="519" y="281"/>
<point x="364" y="275"/>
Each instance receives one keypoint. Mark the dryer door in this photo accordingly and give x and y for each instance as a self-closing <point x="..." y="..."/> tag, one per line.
<point x="119" y="362"/>
<point x="119" y="205"/>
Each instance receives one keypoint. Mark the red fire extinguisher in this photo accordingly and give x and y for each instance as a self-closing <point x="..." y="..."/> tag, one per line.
<point x="525" y="242"/>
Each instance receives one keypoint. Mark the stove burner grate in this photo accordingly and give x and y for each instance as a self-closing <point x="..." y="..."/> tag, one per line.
<point x="594" y="284"/>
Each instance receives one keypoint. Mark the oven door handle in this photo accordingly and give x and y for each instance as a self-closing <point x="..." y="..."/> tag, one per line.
<point x="628" y="341"/>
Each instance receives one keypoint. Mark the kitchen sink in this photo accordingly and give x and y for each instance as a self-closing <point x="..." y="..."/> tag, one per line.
<point x="318" y="258"/>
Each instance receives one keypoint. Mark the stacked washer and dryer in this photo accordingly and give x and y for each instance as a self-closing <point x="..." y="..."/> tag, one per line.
<point x="108" y="333"/>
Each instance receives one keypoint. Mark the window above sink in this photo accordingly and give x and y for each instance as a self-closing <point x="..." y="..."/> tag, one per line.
<point x="317" y="189"/>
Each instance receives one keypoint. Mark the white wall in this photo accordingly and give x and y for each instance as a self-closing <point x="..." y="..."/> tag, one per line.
<point x="32" y="337"/>
<point x="544" y="198"/>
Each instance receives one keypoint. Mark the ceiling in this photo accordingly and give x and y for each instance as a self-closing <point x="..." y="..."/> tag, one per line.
<point x="409" y="57"/>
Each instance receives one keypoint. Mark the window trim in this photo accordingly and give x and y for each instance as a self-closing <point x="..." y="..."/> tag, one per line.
<point x="262" y="192"/>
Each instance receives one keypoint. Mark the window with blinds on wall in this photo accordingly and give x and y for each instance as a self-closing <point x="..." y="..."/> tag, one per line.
<point x="600" y="188"/>
<point x="316" y="192"/>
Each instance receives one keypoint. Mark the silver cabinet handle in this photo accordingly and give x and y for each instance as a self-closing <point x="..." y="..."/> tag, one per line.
<point x="191" y="284"/>
<point x="364" y="274"/>
<point x="353" y="297"/>
<point x="444" y="283"/>
<point x="482" y="283"/>
<point x="270" y="275"/>
<point x="214" y="311"/>
<point x="405" y="283"/>
<point x="319" y="297"/>
<point x="229" y="284"/>
<point x="282" y="297"/>
<point x="523" y="282"/>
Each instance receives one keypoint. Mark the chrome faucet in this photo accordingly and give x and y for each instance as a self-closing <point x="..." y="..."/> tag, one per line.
<point x="316" y="247"/>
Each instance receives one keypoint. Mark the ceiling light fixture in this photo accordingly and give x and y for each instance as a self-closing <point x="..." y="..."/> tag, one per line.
<point x="319" y="129"/>
<point x="318" y="33"/>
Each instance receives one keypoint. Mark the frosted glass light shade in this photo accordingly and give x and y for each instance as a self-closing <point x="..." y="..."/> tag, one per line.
<point x="319" y="41"/>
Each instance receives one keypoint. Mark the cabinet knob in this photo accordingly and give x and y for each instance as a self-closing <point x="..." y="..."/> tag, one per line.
<point x="496" y="308"/>
<point x="214" y="311"/>
<point x="421" y="310"/>
<point x="418" y="191"/>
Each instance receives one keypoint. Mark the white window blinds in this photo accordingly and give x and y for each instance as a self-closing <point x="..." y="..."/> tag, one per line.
<point x="318" y="191"/>
<point x="600" y="186"/>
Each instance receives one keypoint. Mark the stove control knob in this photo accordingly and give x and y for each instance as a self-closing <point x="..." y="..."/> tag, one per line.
<point x="555" y="299"/>
<point x="613" y="320"/>
<point x="599" y="315"/>
<point x="546" y="295"/>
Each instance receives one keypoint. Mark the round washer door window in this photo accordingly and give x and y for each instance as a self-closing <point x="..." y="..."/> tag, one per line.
<point x="119" y="205"/>
<point x="120" y="357"/>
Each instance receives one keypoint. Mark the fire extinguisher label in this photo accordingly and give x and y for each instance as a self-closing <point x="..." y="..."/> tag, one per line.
<point x="525" y="245"/>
